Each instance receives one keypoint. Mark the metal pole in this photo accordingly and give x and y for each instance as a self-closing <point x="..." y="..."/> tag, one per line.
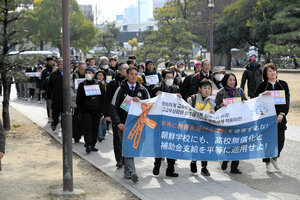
<point x="67" y="114"/>
<point x="211" y="49"/>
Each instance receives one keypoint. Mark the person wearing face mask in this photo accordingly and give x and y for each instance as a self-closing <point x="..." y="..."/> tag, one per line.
<point x="90" y="104"/>
<point x="181" y="68"/>
<point x="77" y="126"/>
<point x="166" y="85"/>
<point x="101" y="77"/>
<point x="217" y="76"/>
<point x="253" y="76"/>
<point x="110" y="74"/>
<point x="177" y="76"/>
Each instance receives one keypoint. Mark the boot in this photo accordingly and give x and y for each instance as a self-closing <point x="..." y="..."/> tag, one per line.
<point x="157" y="164"/>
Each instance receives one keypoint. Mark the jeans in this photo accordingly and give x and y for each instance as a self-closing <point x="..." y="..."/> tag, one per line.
<point x="102" y="127"/>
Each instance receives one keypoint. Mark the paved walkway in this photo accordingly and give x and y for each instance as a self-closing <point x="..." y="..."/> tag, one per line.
<point x="186" y="186"/>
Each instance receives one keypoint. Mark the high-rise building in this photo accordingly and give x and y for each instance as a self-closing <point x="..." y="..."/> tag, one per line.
<point x="158" y="3"/>
<point x="145" y="10"/>
<point x="87" y="11"/>
<point x="131" y="14"/>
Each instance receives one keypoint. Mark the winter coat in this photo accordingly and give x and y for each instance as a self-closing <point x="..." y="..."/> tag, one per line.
<point x="75" y="75"/>
<point x="162" y="87"/>
<point x="119" y="115"/>
<point x="197" y="78"/>
<point x="223" y="94"/>
<point x="279" y="85"/>
<point x="55" y="89"/>
<point x="186" y="85"/>
<point x="254" y="77"/>
<point x="90" y="104"/>
<point x="148" y="73"/>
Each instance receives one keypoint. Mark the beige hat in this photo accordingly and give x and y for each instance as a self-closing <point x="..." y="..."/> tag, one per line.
<point x="217" y="69"/>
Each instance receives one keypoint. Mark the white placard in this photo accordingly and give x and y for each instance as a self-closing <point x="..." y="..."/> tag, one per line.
<point x="152" y="79"/>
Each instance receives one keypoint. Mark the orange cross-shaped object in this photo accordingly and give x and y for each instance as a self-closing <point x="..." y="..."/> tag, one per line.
<point x="139" y="125"/>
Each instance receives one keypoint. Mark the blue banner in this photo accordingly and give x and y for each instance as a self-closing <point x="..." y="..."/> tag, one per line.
<point x="166" y="126"/>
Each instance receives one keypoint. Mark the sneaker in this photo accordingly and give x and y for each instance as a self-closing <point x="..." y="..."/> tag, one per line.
<point x="193" y="166"/>
<point x="275" y="164"/>
<point x="134" y="177"/>
<point x="235" y="171"/>
<point x="205" y="172"/>
<point x="127" y="176"/>
<point x="269" y="168"/>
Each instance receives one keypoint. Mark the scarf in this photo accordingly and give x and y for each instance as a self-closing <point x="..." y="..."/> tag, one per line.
<point x="230" y="91"/>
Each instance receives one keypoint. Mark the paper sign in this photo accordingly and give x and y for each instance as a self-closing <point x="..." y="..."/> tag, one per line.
<point x="214" y="93"/>
<point x="108" y="78"/>
<point x="33" y="74"/>
<point x="77" y="81"/>
<point x="232" y="100"/>
<point x="152" y="79"/>
<point x="126" y="103"/>
<point x="278" y="96"/>
<point x="182" y="79"/>
<point x="91" y="90"/>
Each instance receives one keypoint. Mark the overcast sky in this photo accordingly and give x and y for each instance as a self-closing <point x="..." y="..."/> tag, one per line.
<point x="109" y="8"/>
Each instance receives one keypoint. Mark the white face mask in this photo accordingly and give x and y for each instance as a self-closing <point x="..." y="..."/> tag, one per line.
<point x="169" y="82"/>
<point x="105" y="66"/>
<point x="219" y="77"/>
<point x="181" y="69"/>
<point x="89" y="77"/>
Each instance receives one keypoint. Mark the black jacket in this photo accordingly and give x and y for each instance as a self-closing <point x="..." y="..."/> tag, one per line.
<point x="55" y="89"/>
<point x="162" y="87"/>
<point x="186" y="85"/>
<point x="148" y="73"/>
<point x="254" y="77"/>
<point x="197" y="78"/>
<point x="109" y="72"/>
<point x="90" y="104"/>
<point x="118" y="114"/>
<point x="111" y="89"/>
<point x="45" y="73"/>
<point x="279" y="85"/>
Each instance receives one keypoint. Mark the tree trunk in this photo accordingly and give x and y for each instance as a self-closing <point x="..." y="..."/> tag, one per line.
<point x="228" y="60"/>
<point x="41" y="45"/>
<point x="221" y="59"/>
<point x="6" y="94"/>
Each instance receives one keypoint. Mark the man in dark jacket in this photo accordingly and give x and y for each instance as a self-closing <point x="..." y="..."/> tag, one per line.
<point x="55" y="89"/>
<point x="205" y="73"/>
<point x="44" y="79"/>
<point x="111" y="89"/>
<point x="150" y="72"/>
<point x="113" y="65"/>
<point x="90" y="104"/>
<point x="110" y="74"/>
<point x="254" y="76"/>
<point x="76" y="118"/>
<point x="166" y="85"/>
<point x="132" y="88"/>
<point x="32" y="82"/>
<point x="187" y="83"/>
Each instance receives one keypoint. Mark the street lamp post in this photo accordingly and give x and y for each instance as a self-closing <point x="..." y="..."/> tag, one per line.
<point x="211" y="5"/>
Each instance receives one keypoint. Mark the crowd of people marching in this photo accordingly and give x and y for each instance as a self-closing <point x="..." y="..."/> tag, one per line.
<point x="98" y="91"/>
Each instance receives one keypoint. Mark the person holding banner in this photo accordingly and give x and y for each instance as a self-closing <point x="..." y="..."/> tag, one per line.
<point x="227" y="95"/>
<point x="131" y="88"/>
<point x="280" y="91"/>
<point x="90" y="100"/>
<point x="166" y="85"/>
<point x="202" y="101"/>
